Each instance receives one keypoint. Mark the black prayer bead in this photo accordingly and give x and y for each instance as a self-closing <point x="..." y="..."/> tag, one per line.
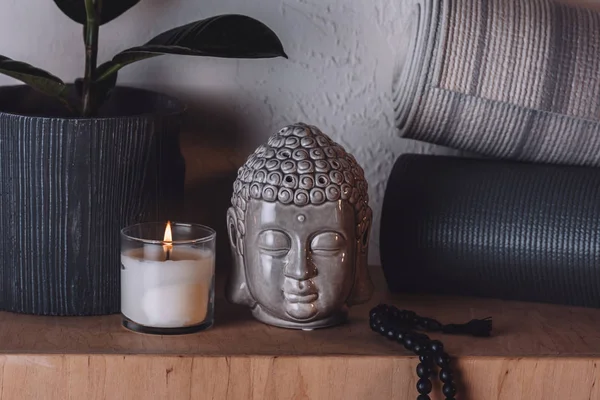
<point x="436" y="346"/>
<point x="408" y="342"/>
<point x="433" y="324"/>
<point x="425" y="358"/>
<point x="417" y="348"/>
<point x="400" y="336"/>
<point x="421" y="337"/>
<point x="446" y="375"/>
<point x="424" y="386"/>
<point x="442" y="360"/>
<point x="423" y="371"/>
<point x="449" y="389"/>
<point x="399" y="325"/>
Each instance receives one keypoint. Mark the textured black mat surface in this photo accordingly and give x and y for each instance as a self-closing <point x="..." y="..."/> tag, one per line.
<point x="493" y="228"/>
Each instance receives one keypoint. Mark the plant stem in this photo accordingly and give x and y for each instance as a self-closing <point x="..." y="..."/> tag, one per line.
<point x="92" y="29"/>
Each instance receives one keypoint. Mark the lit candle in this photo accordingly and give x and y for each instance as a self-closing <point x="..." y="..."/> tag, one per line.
<point x="167" y="284"/>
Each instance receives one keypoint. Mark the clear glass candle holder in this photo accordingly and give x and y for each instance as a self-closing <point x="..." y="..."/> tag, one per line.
<point x="167" y="278"/>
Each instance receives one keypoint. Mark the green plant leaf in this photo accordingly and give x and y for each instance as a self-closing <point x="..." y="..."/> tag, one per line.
<point x="225" y="36"/>
<point x="107" y="9"/>
<point x="37" y="78"/>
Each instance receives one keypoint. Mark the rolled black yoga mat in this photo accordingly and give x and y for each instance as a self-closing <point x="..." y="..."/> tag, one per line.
<point x="491" y="228"/>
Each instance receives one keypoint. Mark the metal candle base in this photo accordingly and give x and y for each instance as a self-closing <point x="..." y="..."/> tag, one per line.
<point x="150" y="330"/>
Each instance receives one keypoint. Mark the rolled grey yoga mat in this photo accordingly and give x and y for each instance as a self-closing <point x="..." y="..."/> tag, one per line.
<point x="516" y="79"/>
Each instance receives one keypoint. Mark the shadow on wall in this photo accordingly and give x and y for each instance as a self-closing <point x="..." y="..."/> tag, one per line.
<point x="215" y="142"/>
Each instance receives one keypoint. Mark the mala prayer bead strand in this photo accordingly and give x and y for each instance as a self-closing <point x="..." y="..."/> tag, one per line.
<point x="400" y="325"/>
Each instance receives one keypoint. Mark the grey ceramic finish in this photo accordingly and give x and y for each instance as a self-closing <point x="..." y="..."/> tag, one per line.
<point x="67" y="188"/>
<point x="299" y="231"/>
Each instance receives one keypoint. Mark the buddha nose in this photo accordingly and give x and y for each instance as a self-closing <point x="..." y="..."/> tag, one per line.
<point x="300" y="267"/>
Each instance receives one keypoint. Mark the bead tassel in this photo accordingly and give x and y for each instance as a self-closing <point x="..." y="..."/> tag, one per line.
<point x="400" y="325"/>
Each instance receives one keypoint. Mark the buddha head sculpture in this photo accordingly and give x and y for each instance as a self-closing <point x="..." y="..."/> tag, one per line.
<point x="299" y="231"/>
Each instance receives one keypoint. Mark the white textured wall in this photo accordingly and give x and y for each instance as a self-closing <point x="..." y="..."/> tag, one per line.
<point x="338" y="77"/>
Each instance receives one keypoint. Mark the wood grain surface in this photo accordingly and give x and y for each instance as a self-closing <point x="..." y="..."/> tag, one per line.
<point x="520" y="330"/>
<point x="260" y="378"/>
<point x="538" y="351"/>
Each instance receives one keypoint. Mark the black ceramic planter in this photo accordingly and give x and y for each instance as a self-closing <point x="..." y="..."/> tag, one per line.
<point x="69" y="185"/>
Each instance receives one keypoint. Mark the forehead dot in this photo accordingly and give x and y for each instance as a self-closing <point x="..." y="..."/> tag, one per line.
<point x="301" y="218"/>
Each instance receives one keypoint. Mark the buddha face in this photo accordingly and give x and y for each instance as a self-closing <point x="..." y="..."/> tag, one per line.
<point x="297" y="205"/>
<point x="300" y="261"/>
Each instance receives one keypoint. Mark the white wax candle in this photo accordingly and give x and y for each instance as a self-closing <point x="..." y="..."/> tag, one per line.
<point x="166" y="294"/>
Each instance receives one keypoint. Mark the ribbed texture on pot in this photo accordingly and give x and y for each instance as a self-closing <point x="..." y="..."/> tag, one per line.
<point x="67" y="188"/>
<point x="494" y="229"/>
<point x="506" y="78"/>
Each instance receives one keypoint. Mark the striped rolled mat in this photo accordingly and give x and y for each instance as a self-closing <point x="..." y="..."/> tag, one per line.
<point x="492" y="228"/>
<point x="516" y="79"/>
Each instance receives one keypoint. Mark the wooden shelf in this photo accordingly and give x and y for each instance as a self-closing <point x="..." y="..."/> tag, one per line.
<point x="538" y="351"/>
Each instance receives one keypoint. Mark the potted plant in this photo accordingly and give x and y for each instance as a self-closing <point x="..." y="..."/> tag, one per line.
<point x="80" y="161"/>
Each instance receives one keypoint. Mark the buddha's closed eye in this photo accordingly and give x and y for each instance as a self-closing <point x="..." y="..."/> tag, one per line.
<point x="327" y="243"/>
<point x="274" y="243"/>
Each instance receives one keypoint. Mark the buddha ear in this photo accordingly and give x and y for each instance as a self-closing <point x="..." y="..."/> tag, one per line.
<point x="232" y="232"/>
<point x="237" y="288"/>
<point x="363" y="285"/>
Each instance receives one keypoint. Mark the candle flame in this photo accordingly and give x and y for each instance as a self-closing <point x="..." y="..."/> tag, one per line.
<point x="168" y="240"/>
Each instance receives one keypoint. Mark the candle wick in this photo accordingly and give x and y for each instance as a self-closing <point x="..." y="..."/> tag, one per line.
<point x="168" y="254"/>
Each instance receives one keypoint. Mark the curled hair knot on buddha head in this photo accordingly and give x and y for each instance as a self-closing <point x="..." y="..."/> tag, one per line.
<point x="301" y="165"/>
